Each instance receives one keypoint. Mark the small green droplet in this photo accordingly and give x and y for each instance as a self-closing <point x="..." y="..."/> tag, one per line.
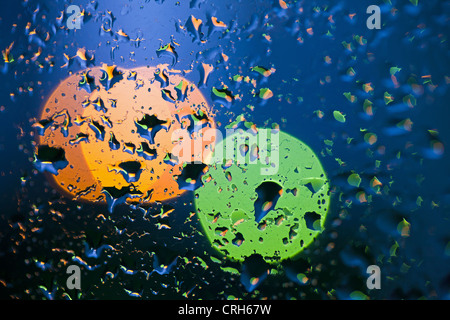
<point x="339" y="116"/>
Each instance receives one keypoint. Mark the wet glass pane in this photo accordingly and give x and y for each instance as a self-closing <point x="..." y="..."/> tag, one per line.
<point x="193" y="149"/>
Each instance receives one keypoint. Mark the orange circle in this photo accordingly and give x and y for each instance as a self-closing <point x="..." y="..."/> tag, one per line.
<point x="116" y="128"/>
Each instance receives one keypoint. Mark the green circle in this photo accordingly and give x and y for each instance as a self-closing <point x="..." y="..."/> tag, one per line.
<point x="230" y="204"/>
